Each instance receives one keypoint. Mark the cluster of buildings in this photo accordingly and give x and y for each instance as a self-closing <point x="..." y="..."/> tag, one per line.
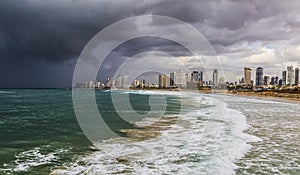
<point x="180" y="79"/>
<point x="118" y="82"/>
<point x="288" y="80"/>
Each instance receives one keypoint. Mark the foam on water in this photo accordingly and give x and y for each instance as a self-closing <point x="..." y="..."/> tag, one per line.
<point x="206" y="140"/>
<point x="32" y="158"/>
<point x="6" y="92"/>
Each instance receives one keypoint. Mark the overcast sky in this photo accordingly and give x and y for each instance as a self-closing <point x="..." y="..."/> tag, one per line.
<point x="40" y="41"/>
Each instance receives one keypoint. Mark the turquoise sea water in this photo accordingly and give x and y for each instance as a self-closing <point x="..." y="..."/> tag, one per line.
<point x="198" y="134"/>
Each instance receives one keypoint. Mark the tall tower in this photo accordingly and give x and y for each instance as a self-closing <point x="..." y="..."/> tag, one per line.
<point x="259" y="76"/>
<point x="200" y="76"/>
<point x="284" y="82"/>
<point x="215" y="77"/>
<point x="172" y="78"/>
<point x="195" y="76"/>
<point x="290" y="75"/>
<point x="180" y="80"/>
<point x="297" y="76"/>
<point x="247" y="76"/>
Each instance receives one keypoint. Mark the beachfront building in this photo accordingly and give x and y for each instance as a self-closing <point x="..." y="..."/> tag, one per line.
<point x="188" y="77"/>
<point x="97" y="84"/>
<point x="110" y="82"/>
<point x="195" y="76"/>
<point x="297" y="76"/>
<point x="215" y="77"/>
<point x="267" y="80"/>
<point x="90" y="84"/>
<point x="180" y="80"/>
<point x="247" y="76"/>
<point x="163" y="81"/>
<point x="259" y="76"/>
<point x="290" y="75"/>
<point x="200" y="76"/>
<point x="121" y="81"/>
<point x="172" y="79"/>
<point x="284" y="76"/>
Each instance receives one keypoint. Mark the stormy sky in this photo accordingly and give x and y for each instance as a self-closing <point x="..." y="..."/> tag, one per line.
<point x="41" y="40"/>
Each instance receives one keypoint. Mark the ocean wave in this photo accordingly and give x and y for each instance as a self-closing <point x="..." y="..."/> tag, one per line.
<point x="203" y="141"/>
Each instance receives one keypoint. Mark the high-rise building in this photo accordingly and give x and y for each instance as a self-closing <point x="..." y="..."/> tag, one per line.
<point x="247" y="76"/>
<point x="90" y="84"/>
<point x="97" y="84"/>
<point x="259" y="76"/>
<point x="168" y="81"/>
<point x="121" y="81"/>
<point x="180" y="80"/>
<point x="297" y="76"/>
<point x="172" y="78"/>
<point x="290" y="75"/>
<point x="200" y="76"/>
<point x="188" y="77"/>
<point x="195" y="76"/>
<point x="284" y="76"/>
<point x="110" y="82"/>
<point x="266" y="80"/>
<point x="162" y="81"/>
<point x="215" y="77"/>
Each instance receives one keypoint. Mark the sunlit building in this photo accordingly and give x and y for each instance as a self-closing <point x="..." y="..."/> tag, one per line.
<point x="290" y="75"/>
<point x="215" y="77"/>
<point x="247" y="76"/>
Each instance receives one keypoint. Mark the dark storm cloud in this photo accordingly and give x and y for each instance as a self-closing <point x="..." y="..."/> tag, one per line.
<point x="48" y="30"/>
<point x="56" y="31"/>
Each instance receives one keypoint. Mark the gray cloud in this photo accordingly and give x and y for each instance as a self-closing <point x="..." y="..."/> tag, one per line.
<point x="50" y="34"/>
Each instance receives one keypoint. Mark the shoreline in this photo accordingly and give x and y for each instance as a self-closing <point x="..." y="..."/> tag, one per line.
<point x="287" y="97"/>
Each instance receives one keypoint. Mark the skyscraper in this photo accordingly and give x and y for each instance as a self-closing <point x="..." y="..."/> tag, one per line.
<point x="290" y="75"/>
<point x="195" y="75"/>
<point x="180" y="80"/>
<point x="247" y="76"/>
<point x="172" y="78"/>
<point x="284" y="82"/>
<point x="297" y="76"/>
<point x="162" y="81"/>
<point x="259" y="76"/>
<point x="200" y="76"/>
<point x="121" y="81"/>
<point x="215" y="77"/>
<point x="266" y="80"/>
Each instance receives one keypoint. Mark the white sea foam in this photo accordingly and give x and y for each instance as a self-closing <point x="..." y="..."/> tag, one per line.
<point x="6" y="92"/>
<point x="32" y="158"/>
<point x="206" y="140"/>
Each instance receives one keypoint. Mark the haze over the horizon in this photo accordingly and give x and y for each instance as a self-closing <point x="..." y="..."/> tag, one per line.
<point x="40" y="41"/>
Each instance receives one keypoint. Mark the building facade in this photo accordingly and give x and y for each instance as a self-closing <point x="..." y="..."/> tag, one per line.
<point x="290" y="75"/>
<point x="247" y="76"/>
<point x="259" y="76"/>
<point x="215" y="77"/>
<point x="297" y="76"/>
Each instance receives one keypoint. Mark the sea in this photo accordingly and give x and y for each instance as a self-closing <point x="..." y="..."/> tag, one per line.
<point x="196" y="133"/>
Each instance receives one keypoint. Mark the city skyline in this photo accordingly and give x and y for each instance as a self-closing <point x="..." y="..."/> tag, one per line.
<point x="181" y="79"/>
